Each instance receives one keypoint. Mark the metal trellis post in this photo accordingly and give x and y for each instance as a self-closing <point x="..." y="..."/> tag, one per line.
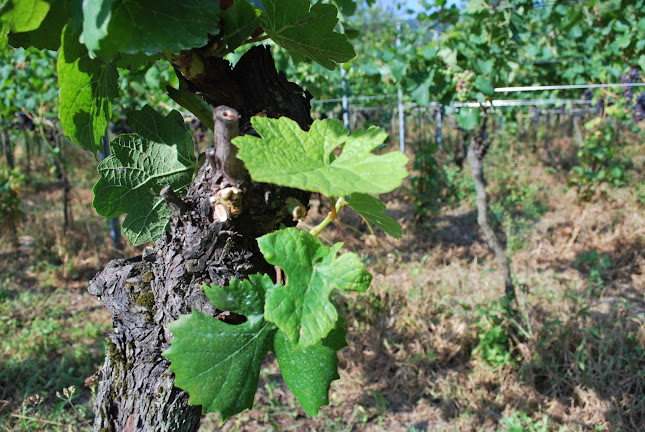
<point x="399" y="93"/>
<point x="345" y="100"/>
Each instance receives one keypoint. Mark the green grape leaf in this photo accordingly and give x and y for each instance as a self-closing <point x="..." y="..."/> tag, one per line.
<point x="193" y="103"/>
<point x="24" y="15"/>
<point x="516" y="26"/>
<point x="309" y="372"/>
<point x="484" y="67"/>
<point x="239" y="298"/>
<point x="87" y="88"/>
<point x="468" y="118"/>
<point x="484" y="85"/>
<point x="347" y="7"/>
<point x="641" y="62"/>
<point x="240" y="21"/>
<point x="372" y="209"/>
<point x="475" y="6"/>
<point x="301" y="308"/>
<point x="48" y="35"/>
<point x="218" y="364"/>
<point x="96" y="19"/>
<point x="135" y="61"/>
<point x="4" y="32"/>
<point x="288" y="156"/>
<point x="421" y="94"/>
<point x="159" y="153"/>
<point x="449" y="56"/>
<point x="77" y="16"/>
<point x="111" y="27"/>
<point x="306" y="32"/>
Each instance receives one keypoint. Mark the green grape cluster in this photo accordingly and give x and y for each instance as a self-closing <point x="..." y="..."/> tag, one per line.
<point x="463" y="81"/>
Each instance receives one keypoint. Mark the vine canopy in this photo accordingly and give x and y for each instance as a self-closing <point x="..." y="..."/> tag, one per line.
<point x="97" y="38"/>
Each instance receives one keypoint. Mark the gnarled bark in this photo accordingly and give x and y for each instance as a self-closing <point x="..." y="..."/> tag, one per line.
<point x="6" y="145"/>
<point x="145" y="293"/>
<point x="476" y="152"/>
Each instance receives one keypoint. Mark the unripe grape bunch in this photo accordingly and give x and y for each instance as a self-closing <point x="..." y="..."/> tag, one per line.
<point x="463" y="81"/>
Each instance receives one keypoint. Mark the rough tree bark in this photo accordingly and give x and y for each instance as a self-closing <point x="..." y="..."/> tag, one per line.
<point x="206" y="243"/>
<point x="476" y="152"/>
<point x="578" y="132"/>
<point x="6" y="145"/>
<point x="27" y="151"/>
<point x="461" y="151"/>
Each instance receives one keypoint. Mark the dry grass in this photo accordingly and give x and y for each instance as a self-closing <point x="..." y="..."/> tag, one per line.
<point x="577" y="346"/>
<point x="578" y="356"/>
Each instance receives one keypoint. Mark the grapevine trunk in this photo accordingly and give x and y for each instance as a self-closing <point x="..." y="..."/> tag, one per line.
<point x="476" y="152"/>
<point x="145" y="293"/>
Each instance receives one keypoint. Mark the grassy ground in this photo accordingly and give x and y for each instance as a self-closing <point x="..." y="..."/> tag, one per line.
<point x="430" y="347"/>
<point x="51" y="331"/>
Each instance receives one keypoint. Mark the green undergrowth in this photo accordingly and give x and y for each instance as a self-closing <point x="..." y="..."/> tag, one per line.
<point x="517" y="200"/>
<point x="438" y="183"/>
<point x="594" y="265"/>
<point x="49" y="343"/>
<point x="521" y="422"/>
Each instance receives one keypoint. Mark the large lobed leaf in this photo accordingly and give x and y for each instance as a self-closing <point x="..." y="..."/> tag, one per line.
<point x="193" y="103"/>
<point x="112" y="27"/>
<point x="245" y="297"/>
<point x="372" y="209"/>
<point x="87" y="88"/>
<point x="159" y="153"/>
<point x="23" y="15"/>
<point x="309" y="371"/>
<point x="307" y="32"/>
<point x="219" y="363"/>
<point x="468" y="118"/>
<point x="288" y="156"/>
<point x="240" y="21"/>
<point x="4" y="34"/>
<point x="301" y="308"/>
<point x="48" y="34"/>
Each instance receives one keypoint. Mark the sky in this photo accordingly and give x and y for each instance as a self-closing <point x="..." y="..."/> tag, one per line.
<point x="415" y="5"/>
<point x="406" y="4"/>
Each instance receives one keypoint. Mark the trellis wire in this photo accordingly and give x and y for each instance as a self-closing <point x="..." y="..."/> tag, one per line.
<point x="524" y="102"/>
<point x="494" y="103"/>
<point x="565" y="87"/>
<point x="501" y="90"/>
<point x="323" y="101"/>
<point x="355" y="117"/>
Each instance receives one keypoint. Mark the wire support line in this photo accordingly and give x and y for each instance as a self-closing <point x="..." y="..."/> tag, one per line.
<point x="354" y="108"/>
<point x="498" y="103"/>
<point x="565" y="87"/>
<point x="527" y="102"/>
<point x="336" y="100"/>
<point x="565" y="112"/>
<point x="540" y="5"/>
